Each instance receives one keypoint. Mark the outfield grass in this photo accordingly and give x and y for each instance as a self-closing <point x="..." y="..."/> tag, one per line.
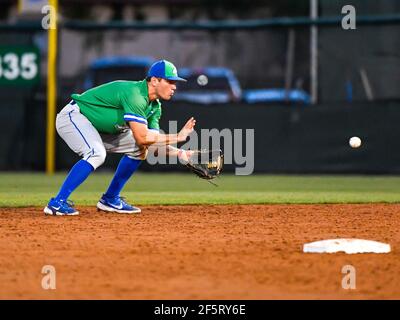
<point x="34" y="189"/>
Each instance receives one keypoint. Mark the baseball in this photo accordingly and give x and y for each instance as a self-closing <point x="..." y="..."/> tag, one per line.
<point x="202" y="80"/>
<point x="355" y="142"/>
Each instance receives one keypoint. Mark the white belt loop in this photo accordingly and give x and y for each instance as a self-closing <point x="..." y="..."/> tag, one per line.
<point x="73" y="103"/>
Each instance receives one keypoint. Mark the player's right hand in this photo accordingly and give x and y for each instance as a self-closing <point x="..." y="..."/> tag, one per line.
<point x="187" y="129"/>
<point x="143" y="152"/>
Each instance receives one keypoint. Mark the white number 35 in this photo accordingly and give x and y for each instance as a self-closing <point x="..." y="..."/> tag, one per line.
<point x="11" y="68"/>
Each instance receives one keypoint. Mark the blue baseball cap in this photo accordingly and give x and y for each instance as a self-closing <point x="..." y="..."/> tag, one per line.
<point x="165" y="70"/>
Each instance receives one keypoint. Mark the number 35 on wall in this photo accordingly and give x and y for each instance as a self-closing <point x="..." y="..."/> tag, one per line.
<point x="19" y="65"/>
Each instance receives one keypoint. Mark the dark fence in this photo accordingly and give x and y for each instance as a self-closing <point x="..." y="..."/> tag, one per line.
<point x="288" y="138"/>
<point x="309" y="139"/>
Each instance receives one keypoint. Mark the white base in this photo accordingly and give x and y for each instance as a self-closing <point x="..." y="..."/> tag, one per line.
<point x="349" y="246"/>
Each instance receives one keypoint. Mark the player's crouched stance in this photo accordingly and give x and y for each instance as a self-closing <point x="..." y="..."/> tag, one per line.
<point x="119" y="117"/>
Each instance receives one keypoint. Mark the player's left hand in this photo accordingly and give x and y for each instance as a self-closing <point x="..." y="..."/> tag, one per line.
<point x="206" y="164"/>
<point x="184" y="155"/>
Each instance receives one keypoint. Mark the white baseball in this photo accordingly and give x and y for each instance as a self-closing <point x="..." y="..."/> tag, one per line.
<point x="355" y="142"/>
<point x="202" y="80"/>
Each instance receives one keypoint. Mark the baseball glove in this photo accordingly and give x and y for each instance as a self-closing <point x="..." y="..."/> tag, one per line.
<point x="206" y="164"/>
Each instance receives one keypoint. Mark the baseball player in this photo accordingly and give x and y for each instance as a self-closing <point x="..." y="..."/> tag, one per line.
<point x="119" y="117"/>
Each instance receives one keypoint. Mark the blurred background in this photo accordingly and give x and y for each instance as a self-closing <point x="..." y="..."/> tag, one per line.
<point x="284" y="68"/>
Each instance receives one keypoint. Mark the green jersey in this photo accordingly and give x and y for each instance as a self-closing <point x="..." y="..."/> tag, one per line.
<point x="110" y="106"/>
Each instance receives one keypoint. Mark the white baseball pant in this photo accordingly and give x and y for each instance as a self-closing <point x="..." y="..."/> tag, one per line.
<point x="83" y="138"/>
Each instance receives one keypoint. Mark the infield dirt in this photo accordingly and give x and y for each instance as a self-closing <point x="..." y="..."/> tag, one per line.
<point x="198" y="252"/>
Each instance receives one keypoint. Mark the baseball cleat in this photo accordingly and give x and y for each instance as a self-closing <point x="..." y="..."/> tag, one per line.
<point x="60" y="208"/>
<point x="116" y="204"/>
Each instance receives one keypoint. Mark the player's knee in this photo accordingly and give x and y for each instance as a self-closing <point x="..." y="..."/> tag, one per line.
<point x="101" y="155"/>
<point x="97" y="156"/>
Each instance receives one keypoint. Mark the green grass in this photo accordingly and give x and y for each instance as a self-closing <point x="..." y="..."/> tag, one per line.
<point x="34" y="189"/>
